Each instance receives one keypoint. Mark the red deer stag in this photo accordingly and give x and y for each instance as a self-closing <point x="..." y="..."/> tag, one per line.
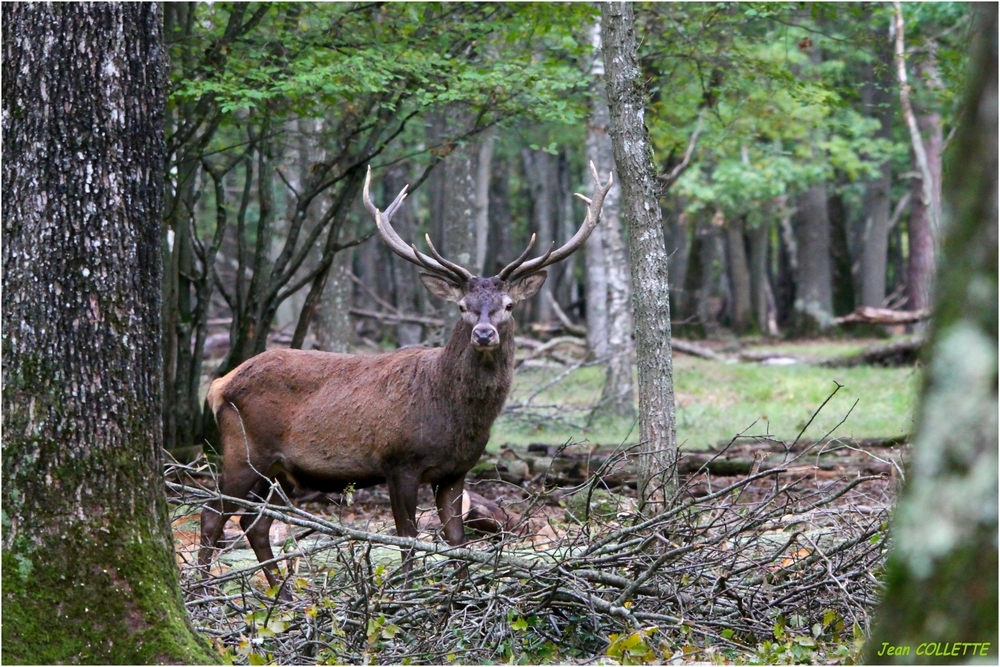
<point x="323" y="421"/>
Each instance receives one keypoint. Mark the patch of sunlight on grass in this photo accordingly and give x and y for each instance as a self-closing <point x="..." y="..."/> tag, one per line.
<point x="715" y="401"/>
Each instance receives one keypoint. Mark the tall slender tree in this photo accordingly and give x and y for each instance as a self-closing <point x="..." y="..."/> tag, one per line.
<point x="942" y="573"/>
<point x="650" y="291"/>
<point x="88" y="564"/>
<point x="618" y="394"/>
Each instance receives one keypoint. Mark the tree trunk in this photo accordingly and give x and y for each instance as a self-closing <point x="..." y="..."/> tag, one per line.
<point x="404" y="273"/>
<point x="540" y="169"/>
<point x="873" y="242"/>
<point x="687" y="314"/>
<point x="813" y="280"/>
<point x="617" y="396"/>
<point x="942" y="571"/>
<point x="333" y="328"/>
<point x="651" y="293"/>
<point x="741" y="306"/>
<point x="484" y="164"/>
<point x="676" y="237"/>
<point x="840" y="257"/>
<point x="458" y="224"/>
<point x="921" y="230"/>
<point x="501" y="248"/>
<point x="88" y="561"/>
<point x="788" y="264"/>
<point x="761" y="296"/>
<point x="567" y="287"/>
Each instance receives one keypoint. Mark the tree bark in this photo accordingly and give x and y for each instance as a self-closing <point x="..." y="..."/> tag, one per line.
<point x="617" y="396"/>
<point x="922" y="229"/>
<point x="872" y="247"/>
<point x="566" y="285"/>
<point x="88" y="562"/>
<point x="458" y="224"/>
<point x="761" y="295"/>
<point x="676" y="237"/>
<point x="404" y="273"/>
<point x="501" y="249"/>
<point x="650" y="293"/>
<point x="484" y="164"/>
<point x="540" y="169"/>
<point x="690" y="325"/>
<point x="333" y="327"/>
<point x="840" y="257"/>
<point x="813" y="279"/>
<point x="741" y="314"/>
<point x="942" y="572"/>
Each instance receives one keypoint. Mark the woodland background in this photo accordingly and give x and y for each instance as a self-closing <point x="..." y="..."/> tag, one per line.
<point x="790" y="193"/>
<point x="181" y="191"/>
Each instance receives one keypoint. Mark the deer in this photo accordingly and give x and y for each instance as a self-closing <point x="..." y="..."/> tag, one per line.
<point x="323" y="421"/>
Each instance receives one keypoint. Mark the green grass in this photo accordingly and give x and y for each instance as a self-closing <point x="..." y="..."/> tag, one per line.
<point x="716" y="400"/>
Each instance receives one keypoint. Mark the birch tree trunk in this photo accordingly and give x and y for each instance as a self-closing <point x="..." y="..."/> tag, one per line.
<point x="484" y="163"/>
<point x="922" y="229"/>
<point x="88" y="561"/>
<point x="650" y="294"/>
<point x="942" y="573"/>
<point x="617" y="396"/>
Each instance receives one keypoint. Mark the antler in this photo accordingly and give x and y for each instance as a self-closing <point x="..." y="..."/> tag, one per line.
<point x="436" y="264"/>
<point x="519" y="268"/>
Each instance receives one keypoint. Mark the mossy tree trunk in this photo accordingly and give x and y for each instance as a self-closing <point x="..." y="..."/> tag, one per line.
<point x="942" y="573"/>
<point x="88" y="563"/>
<point x="647" y="252"/>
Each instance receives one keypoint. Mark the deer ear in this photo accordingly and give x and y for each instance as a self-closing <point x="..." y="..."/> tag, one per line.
<point x="441" y="288"/>
<point x="528" y="287"/>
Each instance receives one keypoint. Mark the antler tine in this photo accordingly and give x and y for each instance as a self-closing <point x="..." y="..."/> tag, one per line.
<point x="581" y="236"/>
<point x="398" y="246"/>
<point x="455" y="268"/>
<point x="517" y="262"/>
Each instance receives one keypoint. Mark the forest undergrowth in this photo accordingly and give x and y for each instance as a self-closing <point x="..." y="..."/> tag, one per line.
<point x="777" y="566"/>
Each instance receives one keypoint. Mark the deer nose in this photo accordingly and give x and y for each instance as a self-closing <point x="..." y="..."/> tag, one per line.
<point x="485" y="335"/>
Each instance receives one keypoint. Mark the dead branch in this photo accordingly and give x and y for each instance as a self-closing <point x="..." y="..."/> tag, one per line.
<point x="870" y="315"/>
<point x="884" y="354"/>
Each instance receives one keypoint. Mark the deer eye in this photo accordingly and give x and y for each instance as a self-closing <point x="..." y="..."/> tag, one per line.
<point x="509" y="306"/>
<point x="462" y="307"/>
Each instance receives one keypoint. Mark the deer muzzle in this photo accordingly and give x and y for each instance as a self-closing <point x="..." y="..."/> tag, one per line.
<point x="485" y="336"/>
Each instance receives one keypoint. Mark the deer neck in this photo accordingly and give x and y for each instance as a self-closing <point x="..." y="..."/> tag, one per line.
<point x="482" y="378"/>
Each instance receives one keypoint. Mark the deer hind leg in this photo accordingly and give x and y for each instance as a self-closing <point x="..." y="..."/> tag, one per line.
<point x="449" y="504"/>
<point x="234" y="482"/>
<point x="257" y="528"/>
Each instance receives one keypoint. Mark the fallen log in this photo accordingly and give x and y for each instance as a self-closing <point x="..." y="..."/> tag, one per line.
<point x="396" y="318"/>
<point x="870" y="315"/>
<point x="896" y="353"/>
<point x="695" y="350"/>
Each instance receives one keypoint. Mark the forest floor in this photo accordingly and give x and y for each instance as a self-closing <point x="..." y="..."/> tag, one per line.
<point x="795" y="529"/>
<point x="551" y="402"/>
<point x="788" y="472"/>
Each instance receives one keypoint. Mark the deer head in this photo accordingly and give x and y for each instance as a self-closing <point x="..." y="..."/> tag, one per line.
<point x="485" y="303"/>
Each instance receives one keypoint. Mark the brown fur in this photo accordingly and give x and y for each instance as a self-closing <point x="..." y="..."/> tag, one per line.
<point x="323" y="421"/>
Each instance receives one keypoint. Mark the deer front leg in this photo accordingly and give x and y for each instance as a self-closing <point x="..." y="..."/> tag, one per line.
<point x="403" y="498"/>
